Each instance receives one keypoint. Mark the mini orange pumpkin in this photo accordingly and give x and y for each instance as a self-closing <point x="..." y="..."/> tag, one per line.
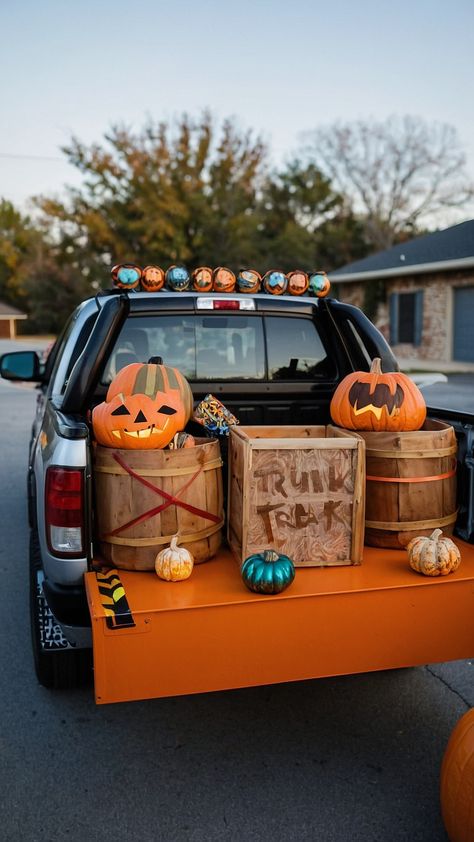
<point x="298" y="282"/>
<point x="249" y="280"/>
<point x="224" y="279"/>
<point x="202" y="279"/>
<point x="434" y="555"/>
<point x="376" y="401"/>
<point x="275" y="282"/>
<point x="153" y="278"/>
<point x="145" y="406"/>
<point x="319" y="284"/>
<point x="126" y="275"/>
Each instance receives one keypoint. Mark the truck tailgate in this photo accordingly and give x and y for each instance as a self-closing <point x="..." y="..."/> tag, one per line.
<point x="153" y="638"/>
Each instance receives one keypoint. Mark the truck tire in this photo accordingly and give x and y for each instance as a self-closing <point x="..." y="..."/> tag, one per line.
<point x="62" y="668"/>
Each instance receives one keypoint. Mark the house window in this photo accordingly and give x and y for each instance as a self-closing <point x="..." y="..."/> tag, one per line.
<point x="406" y="317"/>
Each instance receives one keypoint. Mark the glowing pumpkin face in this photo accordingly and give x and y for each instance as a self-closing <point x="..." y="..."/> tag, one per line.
<point x="152" y="279"/>
<point x="202" y="279"/>
<point x="145" y="406"/>
<point x="224" y="280"/>
<point x="297" y="282"/>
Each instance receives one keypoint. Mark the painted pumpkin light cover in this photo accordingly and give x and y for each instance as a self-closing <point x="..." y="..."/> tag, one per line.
<point x="371" y="400"/>
<point x="177" y="278"/>
<point x="202" y="279"/>
<point x="298" y="282"/>
<point x="126" y="275"/>
<point x="249" y="280"/>
<point x="275" y="282"/>
<point x="224" y="280"/>
<point x="319" y="284"/>
<point x="145" y="406"/>
<point x="153" y="279"/>
<point x="268" y="572"/>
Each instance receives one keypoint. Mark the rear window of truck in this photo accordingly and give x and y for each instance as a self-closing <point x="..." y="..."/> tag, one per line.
<point x="225" y="347"/>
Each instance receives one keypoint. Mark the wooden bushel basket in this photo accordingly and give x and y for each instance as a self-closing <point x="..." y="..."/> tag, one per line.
<point x="144" y="497"/>
<point x="410" y="484"/>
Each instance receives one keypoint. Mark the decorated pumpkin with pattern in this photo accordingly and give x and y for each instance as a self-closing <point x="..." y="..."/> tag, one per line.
<point x="224" y="280"/>
<point x="297" y="282"/>
<point x="275" y="282"/>
<point x="249" y="280"/>
<point x="319" y="284"/>
<point x="126" y="275"/>
<point x="153" y="278"/>
<point x="145" y="406"/>
<point x="202" y="279"/>
<point x="177" y="278"/>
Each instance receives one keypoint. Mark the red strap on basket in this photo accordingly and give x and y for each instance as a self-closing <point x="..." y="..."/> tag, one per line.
<point x="448" y="474"/>
<point x="170" y="499"/>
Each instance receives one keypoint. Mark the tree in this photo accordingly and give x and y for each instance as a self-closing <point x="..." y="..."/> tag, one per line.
<point x="18" y="242"/>
<point x="399" y="174"/>
<point x="165" y="194"/>
<point x="305" y="222"/>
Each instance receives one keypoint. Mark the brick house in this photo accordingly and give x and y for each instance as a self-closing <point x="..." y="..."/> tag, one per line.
<point x="426" y="297"/>
<point x="8" y="319"/>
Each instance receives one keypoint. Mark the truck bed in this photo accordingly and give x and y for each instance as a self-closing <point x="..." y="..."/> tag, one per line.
<point x="330" y="621"/>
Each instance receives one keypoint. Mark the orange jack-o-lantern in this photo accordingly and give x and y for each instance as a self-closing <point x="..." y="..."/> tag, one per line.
<point x="224" y="280"/>
<point x="202" y="279"/>
<point x="249" y="280"/>
<point x="153" y="278"/>
<point x="370" y="400"/>
<point x="275" y="282"/>
<point x="126" y="275"/>
<point x="297" y="282"/>
<point x="145" y="406"/>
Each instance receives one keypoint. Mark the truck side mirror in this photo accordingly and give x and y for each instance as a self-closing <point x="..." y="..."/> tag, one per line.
<point x="21" y="365"/>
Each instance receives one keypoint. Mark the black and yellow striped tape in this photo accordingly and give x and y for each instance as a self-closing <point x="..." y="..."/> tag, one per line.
<point x="114" y="601"/>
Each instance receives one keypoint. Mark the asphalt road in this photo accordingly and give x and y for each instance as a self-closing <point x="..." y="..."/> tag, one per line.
<point x="353" y="759"/>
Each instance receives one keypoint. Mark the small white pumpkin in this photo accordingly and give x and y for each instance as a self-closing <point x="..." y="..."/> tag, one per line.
<point x="433" y="556"/>
<point x="174" y="563"/>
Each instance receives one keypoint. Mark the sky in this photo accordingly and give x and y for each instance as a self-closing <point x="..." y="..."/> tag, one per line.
<point x="280" y="68"/>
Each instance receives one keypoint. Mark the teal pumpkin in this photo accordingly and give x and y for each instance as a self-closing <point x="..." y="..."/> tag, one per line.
<point x="268" y="572"/>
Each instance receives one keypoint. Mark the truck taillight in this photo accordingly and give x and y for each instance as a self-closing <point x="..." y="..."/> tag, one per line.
<point x="64" y="511"/>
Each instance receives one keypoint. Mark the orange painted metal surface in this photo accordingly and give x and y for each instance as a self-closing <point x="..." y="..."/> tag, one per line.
<point x="210" y="633"/>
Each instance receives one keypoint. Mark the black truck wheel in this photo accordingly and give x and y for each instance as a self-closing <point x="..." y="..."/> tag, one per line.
<point x="57" y="665"/>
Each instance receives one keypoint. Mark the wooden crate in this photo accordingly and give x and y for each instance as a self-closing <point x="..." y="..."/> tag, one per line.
<point x="298" y="490"/>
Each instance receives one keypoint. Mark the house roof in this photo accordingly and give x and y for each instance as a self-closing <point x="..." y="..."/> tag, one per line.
<point x="452" y="248"/>
<point x="9" y="312"/>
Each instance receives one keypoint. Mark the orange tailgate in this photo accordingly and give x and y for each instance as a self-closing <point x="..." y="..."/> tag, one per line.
<point x="153" y="638"/>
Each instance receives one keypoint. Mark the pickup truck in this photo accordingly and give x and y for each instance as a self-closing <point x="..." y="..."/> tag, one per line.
<point x="272" y="360"/>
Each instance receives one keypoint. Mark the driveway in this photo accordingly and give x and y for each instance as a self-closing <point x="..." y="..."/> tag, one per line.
<point x="457" y="393"/>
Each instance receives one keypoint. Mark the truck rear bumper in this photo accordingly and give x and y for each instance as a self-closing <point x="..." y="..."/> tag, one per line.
<point x="210" y="633"/>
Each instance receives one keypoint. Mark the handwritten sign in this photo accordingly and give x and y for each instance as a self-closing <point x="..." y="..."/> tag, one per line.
<point x="301" y="504"/>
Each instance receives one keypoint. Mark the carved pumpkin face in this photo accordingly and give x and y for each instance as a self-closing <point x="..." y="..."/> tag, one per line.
<point x="145" y="406"/>
<point x="319" y="284"/>
<point x="202" y="279"/>
<point x="375" y="401"/>
<point x="152" y="279"/>
<point x="224" y="280"/>
<point x="297" y="282"/>
<point x="249" y="280"/>
<point x="275" y="282"/>
<point x="126" y="275"/>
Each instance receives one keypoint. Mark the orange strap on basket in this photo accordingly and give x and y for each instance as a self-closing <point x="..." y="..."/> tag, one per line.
<point x="446" y="475"/>
<point x="170" y="499"/>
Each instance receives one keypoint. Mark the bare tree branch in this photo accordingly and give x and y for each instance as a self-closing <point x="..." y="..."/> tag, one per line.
<point x="399" y="174"/>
